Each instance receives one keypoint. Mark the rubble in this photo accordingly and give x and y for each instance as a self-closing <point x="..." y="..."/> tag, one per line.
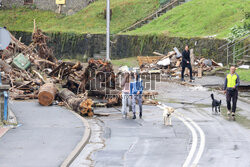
<point x="34" y="72"/>
<point x="170" y="65"/>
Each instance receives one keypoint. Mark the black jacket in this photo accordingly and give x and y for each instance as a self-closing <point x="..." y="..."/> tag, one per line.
<point x="185" y="57"/>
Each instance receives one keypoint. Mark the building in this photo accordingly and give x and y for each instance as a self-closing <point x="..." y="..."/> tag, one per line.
<point x="69" y="8"/>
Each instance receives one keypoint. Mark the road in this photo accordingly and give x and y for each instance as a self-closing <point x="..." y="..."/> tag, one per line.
<point x="197" y="136"/>
<point x="47" y="135"/>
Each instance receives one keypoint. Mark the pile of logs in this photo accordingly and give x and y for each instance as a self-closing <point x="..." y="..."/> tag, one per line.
<point x="53" y="81"/>
<point x="47" y="79"/>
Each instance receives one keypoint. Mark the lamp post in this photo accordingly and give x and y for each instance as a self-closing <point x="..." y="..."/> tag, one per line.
<point x="107" y="33"/>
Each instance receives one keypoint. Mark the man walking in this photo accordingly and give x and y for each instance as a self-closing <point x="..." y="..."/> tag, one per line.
<point x="136" y="89"/>
<point x="231" y="85"/>
<point x="186" y="63"/>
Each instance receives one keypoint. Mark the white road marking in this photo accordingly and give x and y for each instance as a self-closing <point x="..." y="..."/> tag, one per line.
<point x="202" y="143"/>
<point x="145" y="151"/>
<point x="186" y="121"/>
<point x="194" y="142"/>
<point x="129" y="150"/>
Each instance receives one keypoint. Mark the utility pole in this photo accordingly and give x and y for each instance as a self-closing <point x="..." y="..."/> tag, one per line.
<point x="107" y="34"/>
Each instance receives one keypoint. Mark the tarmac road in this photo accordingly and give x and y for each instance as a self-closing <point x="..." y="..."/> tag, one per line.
<point x="197" y="137"/>
<point x="47" y="135"/>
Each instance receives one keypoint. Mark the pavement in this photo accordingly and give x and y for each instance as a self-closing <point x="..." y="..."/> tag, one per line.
<point x="197" y="137"/>
<point x="3" y="130"/>
<point x="44" y="137"/>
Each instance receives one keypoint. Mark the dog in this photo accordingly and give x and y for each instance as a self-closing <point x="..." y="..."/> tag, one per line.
<point x="168" y="111"/>
<point x="215" y="104"/>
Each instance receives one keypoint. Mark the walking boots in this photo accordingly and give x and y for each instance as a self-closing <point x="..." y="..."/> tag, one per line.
<point x="134" y="117"/>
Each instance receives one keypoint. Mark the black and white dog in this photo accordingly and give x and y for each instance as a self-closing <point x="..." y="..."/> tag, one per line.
<point x="215" y="104"/>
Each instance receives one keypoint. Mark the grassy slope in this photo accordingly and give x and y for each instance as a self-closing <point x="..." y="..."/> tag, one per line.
<point x="244" y="74"/>
<point x="199" y="18"/>
<point x="90" y="19"/>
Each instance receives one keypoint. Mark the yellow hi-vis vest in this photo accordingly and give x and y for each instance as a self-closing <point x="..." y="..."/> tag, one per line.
<point x="231" y="80"/>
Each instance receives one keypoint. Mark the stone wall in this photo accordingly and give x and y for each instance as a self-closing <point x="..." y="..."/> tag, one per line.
<point x="127" y="46"/>
<point x="69" y="8"/>
<point x="78" y="46"/>
<point x="12" y="3"/>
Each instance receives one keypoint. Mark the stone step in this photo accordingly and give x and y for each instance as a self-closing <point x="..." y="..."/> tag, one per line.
<point x="97" y="56"/>
<point x="246" y="62"/>
<point x="168" y="6"/>
<point x="246" y="57"/>
<point x="100" y="55"/>
<point x="103" y="52"/>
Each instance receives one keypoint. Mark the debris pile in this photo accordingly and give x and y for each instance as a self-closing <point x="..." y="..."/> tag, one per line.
<point x="33" y="72"/>
<point x="170" y="64"/>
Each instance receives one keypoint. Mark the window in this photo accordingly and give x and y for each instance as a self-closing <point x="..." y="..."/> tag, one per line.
<point x="28" y="2"/>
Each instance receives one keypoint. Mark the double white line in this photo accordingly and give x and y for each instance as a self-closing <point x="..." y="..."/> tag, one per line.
<point x="192" y="126"/>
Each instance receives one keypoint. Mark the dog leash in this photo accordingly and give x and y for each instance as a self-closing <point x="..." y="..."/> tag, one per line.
<point x="193" y="102"/>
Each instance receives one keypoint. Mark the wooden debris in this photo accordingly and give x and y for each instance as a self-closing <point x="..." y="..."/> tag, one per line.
<point x="214" y="63"/>
<point x="102" y="114"/>
<point x="199" y="72"/>
<point x="78" y="104"/>
<point x="47" y="94"/>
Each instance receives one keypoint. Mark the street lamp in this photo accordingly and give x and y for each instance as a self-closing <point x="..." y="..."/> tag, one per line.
<point x="107" y="33"/>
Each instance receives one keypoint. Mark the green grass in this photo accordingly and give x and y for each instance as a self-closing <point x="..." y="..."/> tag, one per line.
<point x="89" y="20"/>
<point x="244" y="74"/>
<point x="199" y="18"/>
<point x="130" y="62"/>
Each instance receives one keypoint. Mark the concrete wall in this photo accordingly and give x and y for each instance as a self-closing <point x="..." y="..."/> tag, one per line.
<point x="69" y="8"/>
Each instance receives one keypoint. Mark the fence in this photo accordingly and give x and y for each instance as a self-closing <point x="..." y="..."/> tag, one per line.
<point x="234" y="52"/>
<point x="3" y="101"/>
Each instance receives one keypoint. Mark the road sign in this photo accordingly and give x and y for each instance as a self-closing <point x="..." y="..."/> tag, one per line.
<point x="60" y="2"/>
<point x="4" y="38"/>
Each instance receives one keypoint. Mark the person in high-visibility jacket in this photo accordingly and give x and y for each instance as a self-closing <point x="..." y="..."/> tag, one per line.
<point x="231" y="85"/>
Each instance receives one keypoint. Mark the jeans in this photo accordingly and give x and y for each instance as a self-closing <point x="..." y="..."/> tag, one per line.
<point x="183" y="69"/>
<point x="125" y="102"/>
<point x="232" y="94"/>
<point x="139" y="99"/>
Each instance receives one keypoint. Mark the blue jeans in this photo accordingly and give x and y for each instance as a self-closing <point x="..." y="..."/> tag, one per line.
<point x="125" y="102"/>
<point x="139" y="99"/>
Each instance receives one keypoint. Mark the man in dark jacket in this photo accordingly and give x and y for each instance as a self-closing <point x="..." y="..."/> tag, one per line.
<point x="186" y="63"/>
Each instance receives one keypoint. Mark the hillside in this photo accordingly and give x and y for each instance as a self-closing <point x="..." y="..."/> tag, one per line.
<point x="89" y="20"/>
<point x="199" y="18"/>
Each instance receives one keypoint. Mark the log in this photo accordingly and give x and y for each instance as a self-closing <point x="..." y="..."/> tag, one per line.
<point x="44" y="61"/>
<point x="47" y="94"/>
<point x="39" y="75"/>
<point x="79" y="105"/>
<point x="159" y="54"/>
<point x="23" y="97"/>
<point x="199" y="72"/>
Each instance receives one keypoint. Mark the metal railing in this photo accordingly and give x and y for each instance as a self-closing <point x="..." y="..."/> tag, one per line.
<point x="3" y="100"/>
<point x="236" y="53"/>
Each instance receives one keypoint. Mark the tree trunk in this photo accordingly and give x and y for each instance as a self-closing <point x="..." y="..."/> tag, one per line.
<point x="47" y="94"/>
<point x="79" y="105"/>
